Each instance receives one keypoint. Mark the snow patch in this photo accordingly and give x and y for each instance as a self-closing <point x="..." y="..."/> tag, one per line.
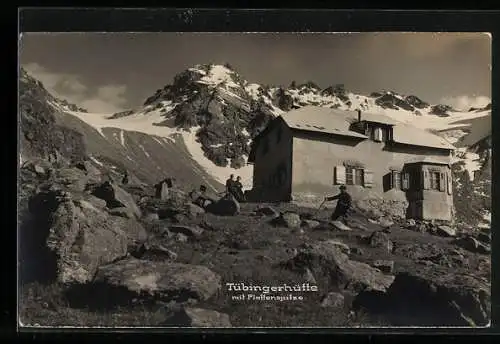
<point x="96" y="161"/>
<point x="146" y="123"/>
<point x="144" y="150"/>
<point x="218" y="74"/>
<point x="253" y="90"/>
<point x="158" y="141"/>
<point x="218" y="173"/>
<point x="197" y="70"/>
<point x="122" y="138"/>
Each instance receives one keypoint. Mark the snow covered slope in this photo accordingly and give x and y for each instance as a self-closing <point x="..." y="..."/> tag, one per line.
<point x="136" y="144"/>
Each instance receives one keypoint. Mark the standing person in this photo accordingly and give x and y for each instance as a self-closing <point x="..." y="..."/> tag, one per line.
<point x="230" y="184"/>
<point x="125" y="178"/>
<point x="238" y="186"/>
<point x="344" y="201"/>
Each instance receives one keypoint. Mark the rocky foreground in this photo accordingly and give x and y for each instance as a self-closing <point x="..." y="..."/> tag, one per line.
<point x="103" y="254"/>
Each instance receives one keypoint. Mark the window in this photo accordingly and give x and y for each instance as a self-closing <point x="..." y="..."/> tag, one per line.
<point x="396" y="179"/>
<point x="383" y="135"/>
<point x="435" y="180"/>
<point x="354" y="175"/>
<point x="358" y="176"/>
<point x="349" y="177"/>
<point x="377" y="134"/>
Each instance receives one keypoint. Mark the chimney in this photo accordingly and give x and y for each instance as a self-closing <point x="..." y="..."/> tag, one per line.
<point x="359" y="115"/>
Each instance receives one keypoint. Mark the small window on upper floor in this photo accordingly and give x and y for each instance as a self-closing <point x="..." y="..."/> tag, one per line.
<point x="377" y="134"/>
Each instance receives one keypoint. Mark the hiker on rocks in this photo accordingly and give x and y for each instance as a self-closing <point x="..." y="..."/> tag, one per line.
<point x="238" y="190"/>
<point x="125" y="178"/>
<point x="344" y="201"/>
<point x="230" y="184"/>
<point x="200" y="197"/>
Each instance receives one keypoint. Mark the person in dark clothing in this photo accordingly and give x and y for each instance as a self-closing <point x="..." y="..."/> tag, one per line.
<point x="238" y="190"/>
<point x="125" y="178"/>
<point x="200" y="197"/>
<point x="344" y="201"/>
<point x="230" y="184"/>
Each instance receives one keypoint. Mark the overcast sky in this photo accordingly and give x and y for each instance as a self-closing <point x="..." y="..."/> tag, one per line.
<point x="109" y="72"/>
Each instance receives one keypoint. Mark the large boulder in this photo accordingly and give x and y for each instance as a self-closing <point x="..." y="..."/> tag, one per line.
<point x="193" y="210"/>
<point x="92" y="172"/>
<point x="72" y="178"/>
<point x="380" y="239"/>
<point x="78" y="235"/>
<point x="473" y="245"/>
<point x="289" y="220"/>
<point x="333" y="299"/>
<point x="327" y="259"/>
<point x="446" y="231"/>
<point x="227" y="206"/>
<point x="437" y="298"/>
<point x="165" y="281"/>
<point x="39" y="167"/>
<point x="190" y="231"/>
<point x="116" y="197"/>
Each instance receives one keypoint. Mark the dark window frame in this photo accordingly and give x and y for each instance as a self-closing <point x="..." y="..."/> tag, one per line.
<point x="434" y="180"/>
<point x="354" y="175"/>
<point x="397" y="179"/>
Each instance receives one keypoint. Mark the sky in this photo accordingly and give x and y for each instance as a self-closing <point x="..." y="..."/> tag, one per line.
<point x="110" y="72"/>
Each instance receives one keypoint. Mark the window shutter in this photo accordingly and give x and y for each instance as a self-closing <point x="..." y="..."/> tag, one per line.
<point x="450" y="182"/>
<point x="394" y="183"/>
<point x="426" y="180"/>
<point x="340" y="175"/>
<point x="405" y="182"/>
<point x="442" y="181"/>
<point x="368" y="180"/>
<point x="378" y="134"/>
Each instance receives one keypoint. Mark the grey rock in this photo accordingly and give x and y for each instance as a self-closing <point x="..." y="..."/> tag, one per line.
<point x="446" y="231"/>
<point x="327" y="260"/>
<point x="381" y="240"/>
<point x="291" y="220"/>
<point x="189" y="231"/>
<point x="180" y="237"/>
<point x="340" y="226"/>
<point x="164" y="281"/>
<point x="333" y="300"/>
<point x="83" y="237"/>
<point x="386" y="266"/>
<point x="310" y="224"/>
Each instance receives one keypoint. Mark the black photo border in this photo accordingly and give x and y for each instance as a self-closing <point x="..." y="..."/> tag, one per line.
<point x="73" y="19"/>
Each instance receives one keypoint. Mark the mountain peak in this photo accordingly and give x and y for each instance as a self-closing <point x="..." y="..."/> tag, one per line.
<point x="216" y="74"/>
